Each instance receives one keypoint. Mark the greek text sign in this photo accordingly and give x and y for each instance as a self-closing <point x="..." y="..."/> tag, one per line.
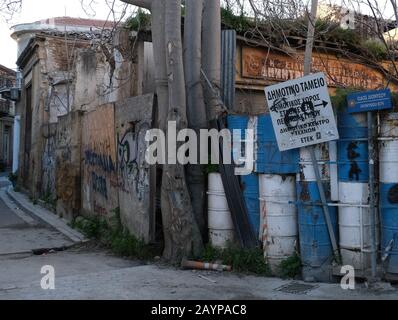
<point x="301" y="112"/>
<point x="369" y="101"/>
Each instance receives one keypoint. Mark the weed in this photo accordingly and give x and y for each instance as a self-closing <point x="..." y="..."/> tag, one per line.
<point x="139" y="22"/>
<point x="113" y="235"/>
<point x="48" y="198"/>
<point x="290" y="267"/>
<point x="241" y="260"/>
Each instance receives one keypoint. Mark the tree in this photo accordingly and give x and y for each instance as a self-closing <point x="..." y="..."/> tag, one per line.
<point x="181" y="233"/>
<point x="9" y="7"/>
<point x="196" y="109"/>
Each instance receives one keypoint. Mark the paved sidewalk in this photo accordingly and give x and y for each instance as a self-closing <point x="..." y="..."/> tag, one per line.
<point x="156" y="282"/>
<point x="45" y="216"/>
<point x="20" y="232"/>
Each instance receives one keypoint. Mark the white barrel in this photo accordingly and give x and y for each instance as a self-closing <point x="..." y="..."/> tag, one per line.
<point x="278" y="217"/>
<point x="389" y="149"/>
<point x="221" y="227"/>
<point x="354" y="225"/>
<point x="307" y="172"/>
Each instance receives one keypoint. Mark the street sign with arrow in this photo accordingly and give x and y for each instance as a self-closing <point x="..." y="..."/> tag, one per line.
<point x="301" y="112"/>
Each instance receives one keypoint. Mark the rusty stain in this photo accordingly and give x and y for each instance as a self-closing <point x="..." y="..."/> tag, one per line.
<point x="393" y="194"/>
<point x="259" y="63"/>
<point x="305" y="193"/>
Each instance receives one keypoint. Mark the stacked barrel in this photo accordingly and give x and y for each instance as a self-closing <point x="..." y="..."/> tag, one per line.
<point x="353" y="174"/>
<point x="389" y="192"/>
<point x="277" y="194"/>
<point x="315" y="244"/>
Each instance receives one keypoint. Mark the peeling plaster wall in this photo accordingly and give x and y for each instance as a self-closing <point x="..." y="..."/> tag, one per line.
<point x="133" y="118"/>
<point x="68" y="165"/>
<point x="99" y="180"/>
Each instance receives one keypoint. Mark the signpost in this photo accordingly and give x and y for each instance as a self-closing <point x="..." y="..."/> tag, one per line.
<point x="301" y="112"/>
<point x="302" y="115"/>
<point x="370" y="101"/>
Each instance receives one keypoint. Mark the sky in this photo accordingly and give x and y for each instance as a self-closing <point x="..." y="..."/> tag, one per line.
<point x="34" y="10"/>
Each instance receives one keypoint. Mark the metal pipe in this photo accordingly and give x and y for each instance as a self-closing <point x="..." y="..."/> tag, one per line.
<point x="372" y="195"/>
<point x="324" y="203"/>
<point x="307" y="70"/>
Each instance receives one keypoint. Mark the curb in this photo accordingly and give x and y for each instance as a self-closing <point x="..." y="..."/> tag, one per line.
<point x="46" y="216"/>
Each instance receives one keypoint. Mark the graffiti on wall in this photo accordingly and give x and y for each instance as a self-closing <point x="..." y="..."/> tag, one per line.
<point x="133" y="171"/>
<point x="48" y="163"/>
<point x="99" y="153"/>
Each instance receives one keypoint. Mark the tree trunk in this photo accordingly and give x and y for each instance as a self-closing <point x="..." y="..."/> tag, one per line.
<point x="196" y="109"/>
<point x="179" y="227"/>
<point x="178" y="219"/>
<point x="211" y="56"/>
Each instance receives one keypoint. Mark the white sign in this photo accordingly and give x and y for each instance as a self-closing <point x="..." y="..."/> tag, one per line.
<point x="301" y="112"/>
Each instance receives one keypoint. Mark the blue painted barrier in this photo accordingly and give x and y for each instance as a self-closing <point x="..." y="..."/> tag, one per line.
<point x="269" y="159"/>
<point x="352" y="155"/>
<point x="315" y="244"/>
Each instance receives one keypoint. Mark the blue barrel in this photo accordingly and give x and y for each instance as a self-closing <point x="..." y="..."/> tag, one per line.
<point x="315" y="245"/>
<point x="249" y="183"/>
<point x="388" y="159"/>
<point x="269" y="159"/>
<point x="352" y="155"/>
<point x="251" y="194"/>
<point x="389" y="213"/>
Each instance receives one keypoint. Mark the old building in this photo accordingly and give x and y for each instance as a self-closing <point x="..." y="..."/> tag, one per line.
<point x="87" y="100"/>
<point x="76" y="123"/>
<point x="7" y="111"/>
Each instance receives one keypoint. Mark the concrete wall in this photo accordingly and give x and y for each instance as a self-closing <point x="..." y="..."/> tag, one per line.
<point x="133" y="118"/>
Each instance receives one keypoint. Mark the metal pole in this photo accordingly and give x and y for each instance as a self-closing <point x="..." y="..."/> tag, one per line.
<point x="307" y="70"/>
<point x="372" y="195"/>
<point x="310" y="37"/>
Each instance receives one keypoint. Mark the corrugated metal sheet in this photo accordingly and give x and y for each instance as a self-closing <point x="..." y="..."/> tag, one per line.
<point x="228" y="69"/>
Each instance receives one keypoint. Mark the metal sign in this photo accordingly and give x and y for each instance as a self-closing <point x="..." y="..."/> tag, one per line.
<point x="369" y="101"/>
<point x="301" y="112"/>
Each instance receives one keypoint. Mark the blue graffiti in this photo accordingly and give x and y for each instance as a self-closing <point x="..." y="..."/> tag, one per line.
<point x="99" y="185"/>
<point x="101" y="160"/>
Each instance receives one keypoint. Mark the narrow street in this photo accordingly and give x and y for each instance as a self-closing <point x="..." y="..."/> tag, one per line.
<point x="84" y="271"/>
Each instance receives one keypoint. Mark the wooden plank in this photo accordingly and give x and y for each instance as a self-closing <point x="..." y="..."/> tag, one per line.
<point x="99" y="183"/>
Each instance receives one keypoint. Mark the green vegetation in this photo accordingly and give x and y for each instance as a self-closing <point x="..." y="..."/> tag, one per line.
<point x="239" y="23"/>
<point x="375" y="49"/>
<point x="49" y="199"/>
<point x="114" y="236"/>
<point x="210" y="168"/>
<point x="139" y="22"/>
<point x="291" y="267"/>
<point x="13" y="177"/>
<point x="241" y="260"/>
<point x="339" y="100"/>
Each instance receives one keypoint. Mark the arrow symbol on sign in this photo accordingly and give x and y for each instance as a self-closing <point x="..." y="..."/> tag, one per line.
<point x="323" y="103"/>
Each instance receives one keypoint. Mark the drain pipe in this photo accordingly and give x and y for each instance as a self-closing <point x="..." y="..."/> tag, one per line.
<point x="372" y="195"/>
